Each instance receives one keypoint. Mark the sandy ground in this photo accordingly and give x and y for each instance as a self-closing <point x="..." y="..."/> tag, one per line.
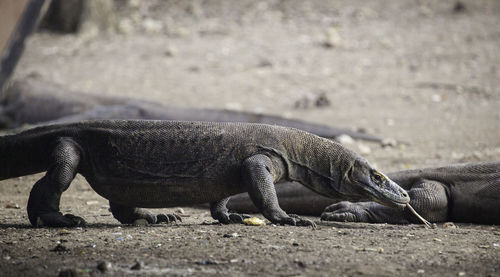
<point x="417" y="71"/>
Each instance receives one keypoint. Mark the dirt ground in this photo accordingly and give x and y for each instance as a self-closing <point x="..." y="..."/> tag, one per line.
<point x="426" y="72"/>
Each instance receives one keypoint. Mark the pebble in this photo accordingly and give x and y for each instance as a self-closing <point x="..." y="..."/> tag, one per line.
<point x="60" y="248"/>
<point x="12" y="206"/>
<point x="332" y="39"/>
<point x="104" y="266"/>
<point x="70" y="272"/>
<point x="364" y="149"/>
<point x="152" y="26"/>
<point x="231" y="235"/>
<point x="171" y="51"/>
<point x="179" y="211"/>
<point x="449" y="225"/>
<point x="459" y="7"/>
<point x="125" y="26"/>
<point x="254" y="221"/>
<point x="140" y="222"/>
<point x="389" y="142"/>
<point x="137" y="266"/>
<point x="344" y="139"/>
<point x="420" y="271"/>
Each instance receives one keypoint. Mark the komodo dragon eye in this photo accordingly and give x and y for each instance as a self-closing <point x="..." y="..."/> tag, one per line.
<point x="377" y="177"/>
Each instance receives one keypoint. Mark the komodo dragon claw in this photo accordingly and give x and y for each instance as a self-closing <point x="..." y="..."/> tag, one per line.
<point x="167" y="218"/>
<point x="56" y="219"/>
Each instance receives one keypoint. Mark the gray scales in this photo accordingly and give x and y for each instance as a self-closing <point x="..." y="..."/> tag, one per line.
<point x="153" y="164"/>
<point x="461" y="193"/>
<point x="34" y="101"/>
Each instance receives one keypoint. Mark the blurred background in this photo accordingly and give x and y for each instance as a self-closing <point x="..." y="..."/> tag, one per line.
<point x="423" y="72"/>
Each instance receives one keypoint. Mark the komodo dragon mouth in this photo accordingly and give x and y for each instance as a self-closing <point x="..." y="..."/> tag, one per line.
<point x="383" y="190"/>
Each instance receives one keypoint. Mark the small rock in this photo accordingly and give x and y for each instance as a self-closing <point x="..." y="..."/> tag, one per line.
<point x="436" y="98"/>
<point x="265" y="63"/>
<point x="140" y="222"/>
<point x="300" y="263"/>
<point x="12" y="206"/>
<point x="179" y="211"/>
<point x="137" y="266"/>
<point x="70" y="272"/>
<point x="344" y="139"/>
<point x="125" y="26"/>
<point x="461" y="273"/>
<point x="420" y="271"/>
<point x="254" y="221"/>
<point x="207" y="262"/>
<point x="449" y="225"/>
<point x="437" y="240"/>
<point x="364" y="149"/>
<point x="170" y="51"/>
<point x="322" y="100"/>
<point x="477" y="155"/>
<point x="152" y="26"/>
<point x="459" y="7"/>
<point x="60" y="248"/>
<point x="92" y="202"/>
<point x="389" y="142"/>
<point x="104" y="266"/>
<point x="235" y="106"/>
<point x="332" y="38"/>
<point x="64" y="232"/>
<point x="231" y="235"/>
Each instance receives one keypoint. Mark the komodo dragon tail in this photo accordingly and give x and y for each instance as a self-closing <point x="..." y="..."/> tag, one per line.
<point x="27" y="152"/>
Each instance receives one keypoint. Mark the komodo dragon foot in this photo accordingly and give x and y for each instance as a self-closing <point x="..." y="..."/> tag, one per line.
<point x="219" y="211"/>
<point x="349" y="212"/>
<point x="57" y="219"/>
<point x="131" y="215"/>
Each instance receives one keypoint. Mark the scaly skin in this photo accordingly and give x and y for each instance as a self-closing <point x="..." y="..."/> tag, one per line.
<point x="37" y="102"/>
<point x="156" y="164"/>
<point x="460" y="193"/>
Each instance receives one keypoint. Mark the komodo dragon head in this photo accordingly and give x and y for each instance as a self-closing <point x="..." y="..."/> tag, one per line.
<point x="367" y="182"/>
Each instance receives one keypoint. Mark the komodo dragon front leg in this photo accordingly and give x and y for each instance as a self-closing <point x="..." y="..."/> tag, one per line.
<point x="259" y="174"/>
<point x="429" y="198"/>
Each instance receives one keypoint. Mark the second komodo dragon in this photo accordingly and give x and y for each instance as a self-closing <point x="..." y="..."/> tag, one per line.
<point x="155" y="164"/>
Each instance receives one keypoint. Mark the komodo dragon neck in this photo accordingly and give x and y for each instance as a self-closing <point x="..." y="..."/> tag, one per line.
<point x="319" y="164"/>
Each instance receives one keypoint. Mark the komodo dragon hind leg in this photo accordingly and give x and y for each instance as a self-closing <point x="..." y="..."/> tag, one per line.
<point x="429" y="199"/>
<point x="257" y="174"/>
<point x="132" y="215"/>
<point x="45" y="196"/>
<point x="219" y="211"/>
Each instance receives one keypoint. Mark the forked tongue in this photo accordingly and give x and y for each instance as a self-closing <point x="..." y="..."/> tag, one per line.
<point x="427" y="223"/>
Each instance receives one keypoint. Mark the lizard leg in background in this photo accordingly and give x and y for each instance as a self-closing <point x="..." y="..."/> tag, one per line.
<point x="257" y="174"/>
<point x="45" y="196"/>
<point x="130" y="215"/>
<point x="428" y="198"/>
<point x="219" y="211"/>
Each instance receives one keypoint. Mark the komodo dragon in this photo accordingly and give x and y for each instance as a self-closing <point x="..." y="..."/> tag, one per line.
<point x="460" y="193"/>
<point x="155" y="164"/>
<point x="34" y="102"/>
